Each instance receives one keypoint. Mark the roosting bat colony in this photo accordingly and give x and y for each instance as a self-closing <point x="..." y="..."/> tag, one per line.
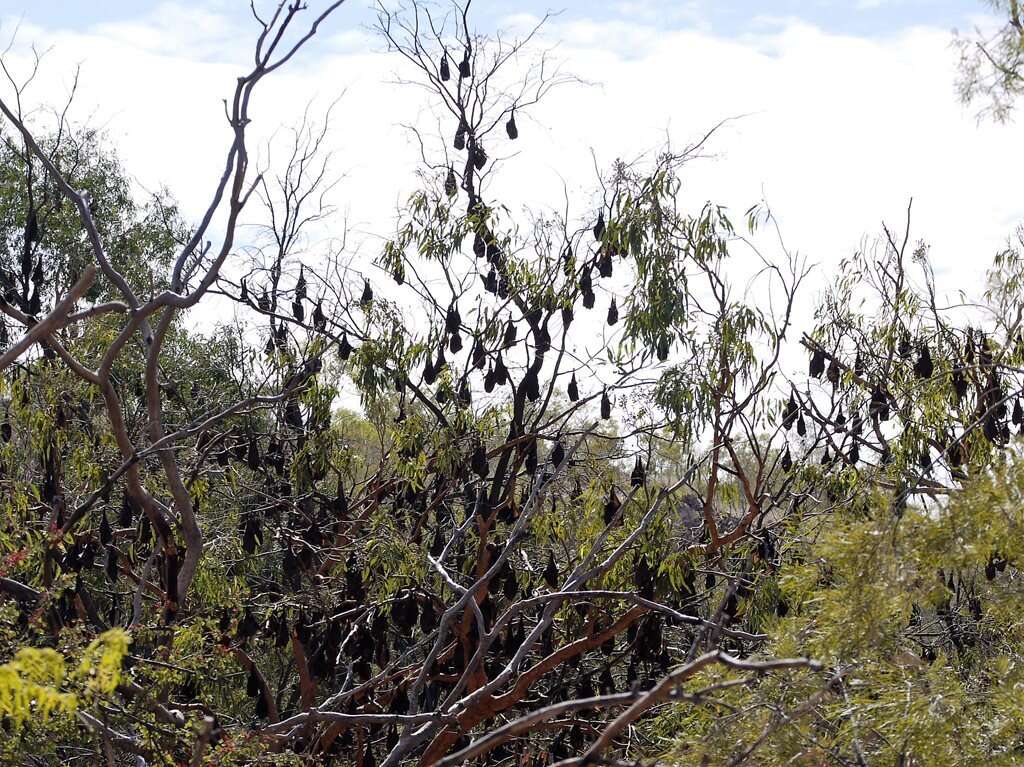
<point x="583" y="513"/>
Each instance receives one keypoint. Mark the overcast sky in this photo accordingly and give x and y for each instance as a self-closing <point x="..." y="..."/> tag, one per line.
<point x="844" y="109"/>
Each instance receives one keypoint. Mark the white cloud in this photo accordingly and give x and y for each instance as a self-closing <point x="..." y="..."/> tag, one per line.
<point x="839" y="131"/>
<point x="173" y="28"/>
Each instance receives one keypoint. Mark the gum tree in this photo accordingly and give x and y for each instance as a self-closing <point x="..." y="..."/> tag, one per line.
<point x="523" y="543"/>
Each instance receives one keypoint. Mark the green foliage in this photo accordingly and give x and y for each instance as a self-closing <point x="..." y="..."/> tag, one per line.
<point x="991" y="64"/>
<point x="29" y="686"/>
<point x="36" y="685"/>
<point x="140" y="238"/>
<point x="924" y="652"/>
